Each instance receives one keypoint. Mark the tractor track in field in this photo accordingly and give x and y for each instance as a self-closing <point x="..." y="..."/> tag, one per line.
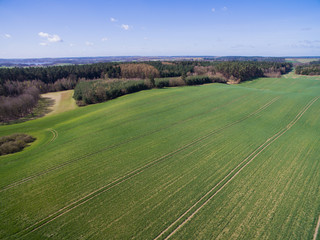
<point x="193" y="210"/>
<point x="316" y="230"/>
<point x="37" y="225"/>
<point x="55" y="135"/>
<point x="71" y="161"/>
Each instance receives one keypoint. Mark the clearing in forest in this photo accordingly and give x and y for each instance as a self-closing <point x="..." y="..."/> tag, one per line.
<point x="63" y="101"/>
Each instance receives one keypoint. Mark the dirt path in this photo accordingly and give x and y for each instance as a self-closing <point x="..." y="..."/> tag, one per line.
<point x="130" y="175"/>
<point x="317" y="230"/>
<point x="247" y="161"/>
<point x="63" y="101"/>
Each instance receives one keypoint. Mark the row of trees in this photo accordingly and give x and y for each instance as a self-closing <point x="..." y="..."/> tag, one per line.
<point x="50" y="75"/>
<point x="54" y="73"/>
<point x="93" y="71"/>
<point x="14" y="88"/>
<point x="310" y="69"/>
<point x="243" y="58"/>
<point x="89" y="92"/>
<point x="242" y="71"/>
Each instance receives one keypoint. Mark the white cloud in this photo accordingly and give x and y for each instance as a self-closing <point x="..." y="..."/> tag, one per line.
<point x="89" y="43"/>
<point x="54" y="38"/>
<point x="71" y="44"/>
<point x="213" y="9"/>
<point x="113" y="20"/>
<point x="6" y="35"/>
<point x="104" y="39"/>
<point x="125" y="26"/>
<point x="43" y="44"/>
<point x="49" y="37"/>
<point x="224" y="8"/>
<point x="44" y="35"/>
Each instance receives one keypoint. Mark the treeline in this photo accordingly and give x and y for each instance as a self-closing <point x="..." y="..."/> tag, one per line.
<point x="50" y="75"/>
<point x="244" y="58"/>
<point x="190" y="73"/>
<point x="89" y="92"/>
<point x="18" y="105"/>
<point x="93" y="71"/>
<point x="176" y="69"/>
<point x="20" y="87"/>
<point x="18" y="99"/>
<point x="54" y="73"/>
<point x="313" y="68"/>
<point x="242" y="71"/>
<point x="14" y="88"/>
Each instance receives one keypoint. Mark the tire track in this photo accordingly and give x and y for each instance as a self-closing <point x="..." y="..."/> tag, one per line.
<point x="194" y="209"/>
<point x="54" y="135"/>
<point x="59" y="166"/>
<point x="317" y="230"/>
<point x="130" y="175"/>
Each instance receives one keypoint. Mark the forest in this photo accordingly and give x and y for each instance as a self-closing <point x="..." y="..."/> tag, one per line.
<point x="88" y="92"/>
<point x="20" y="88"/>
<point x="17" y="100"/>
<point x="313" y="68"/>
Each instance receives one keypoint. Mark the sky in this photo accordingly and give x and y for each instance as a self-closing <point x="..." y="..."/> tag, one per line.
<point x="68" y="28"/>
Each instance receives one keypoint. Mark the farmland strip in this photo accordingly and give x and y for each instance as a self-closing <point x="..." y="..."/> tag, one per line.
<point x="246" y="162"/>
<point x="317" y="230"/>
<point x="131" y="174"/>
<point x="55" y="135"/>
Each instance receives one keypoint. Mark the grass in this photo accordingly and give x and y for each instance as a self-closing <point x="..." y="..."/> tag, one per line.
<point x="153" y="161"/>
<point x="63" y="101"/>
<point x="301" y="60"/>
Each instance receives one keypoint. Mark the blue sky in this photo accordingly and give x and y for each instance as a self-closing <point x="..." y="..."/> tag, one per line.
<point x="67" y="28"/>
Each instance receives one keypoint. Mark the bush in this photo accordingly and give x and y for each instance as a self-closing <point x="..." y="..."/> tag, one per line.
<point x="161" y="83"/>
<point x="14" y="143"/>
<point x="175" y="82"/>
<point x="198" y="80"/>
<point x="89" y="92"/>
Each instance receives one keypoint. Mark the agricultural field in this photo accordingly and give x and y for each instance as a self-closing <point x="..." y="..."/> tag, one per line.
<point x="301" y="60"/>
<point x="215" y="161"/>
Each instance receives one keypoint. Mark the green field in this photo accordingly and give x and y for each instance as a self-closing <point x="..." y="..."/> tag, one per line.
<point x="301" y="60"/>
<point x="214" y="161"/>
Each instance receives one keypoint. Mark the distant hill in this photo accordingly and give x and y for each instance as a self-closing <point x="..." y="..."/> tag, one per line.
<point x="87" y="60"/>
